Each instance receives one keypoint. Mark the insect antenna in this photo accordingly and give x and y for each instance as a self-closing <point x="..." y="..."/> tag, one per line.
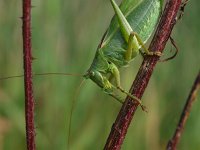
<point x="74" y="100"/>
<point x="176" y="51"/>
<point x="43" y="74"/>
<point x="10" y="77"/>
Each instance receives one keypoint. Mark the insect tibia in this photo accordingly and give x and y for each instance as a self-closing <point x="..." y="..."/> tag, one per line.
<point x="43" y="74"/>
<point x="176" y="51"/>
<point x="134" y="98"/>
<point x="182" y="9"/>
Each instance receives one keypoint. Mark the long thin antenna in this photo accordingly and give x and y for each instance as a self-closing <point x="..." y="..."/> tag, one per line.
<point x="42" y="74"/>
<point x="71" y="112"/>
<point x="10" y="77"/>
<point x="55" y="73"/>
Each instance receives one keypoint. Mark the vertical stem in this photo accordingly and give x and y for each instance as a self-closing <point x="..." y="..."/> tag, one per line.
<point x="185" y="114"/>
<point x="29" y="99"/>
<point x="128" y="109"/>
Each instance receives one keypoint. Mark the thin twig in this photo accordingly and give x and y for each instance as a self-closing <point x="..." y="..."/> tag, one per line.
<point x="29" y="99"/>
<point x="185" y="114"/>
<point x="120" y="127"/>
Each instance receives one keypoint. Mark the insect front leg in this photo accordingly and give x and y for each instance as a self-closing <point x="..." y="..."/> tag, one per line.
<point x="107" y="86"/>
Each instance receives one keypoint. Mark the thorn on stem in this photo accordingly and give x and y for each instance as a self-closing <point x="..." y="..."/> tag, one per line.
<point x="33" y="6"/>
<point x="33" y="58"/>
<point x="144" y="108"/>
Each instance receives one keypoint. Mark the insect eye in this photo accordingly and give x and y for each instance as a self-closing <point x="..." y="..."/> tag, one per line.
<point x="109" y="62"/>
<point x="92" y="73"/>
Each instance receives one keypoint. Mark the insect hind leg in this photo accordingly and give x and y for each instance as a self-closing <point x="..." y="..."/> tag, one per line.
<point x="129" y="51"/>
<point x="146" y="51"/>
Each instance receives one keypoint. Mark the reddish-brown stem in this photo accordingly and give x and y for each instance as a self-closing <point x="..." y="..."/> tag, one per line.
<point x="185" y="114"/>
<point x="120" y="127"/>
<point x="29" y="100"/>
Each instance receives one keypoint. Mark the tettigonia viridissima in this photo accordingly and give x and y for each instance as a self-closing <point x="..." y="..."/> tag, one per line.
<point x="132" y="26"/>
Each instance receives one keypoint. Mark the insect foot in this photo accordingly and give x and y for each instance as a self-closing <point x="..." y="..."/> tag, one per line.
<point x="134" y="98"/>
<point x="154" y="53"/>
<point x="107" y="86"/>
<point x="157" y="53"/>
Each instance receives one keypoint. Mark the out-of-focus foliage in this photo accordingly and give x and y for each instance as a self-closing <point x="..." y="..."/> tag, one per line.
<point x="65" y="35"/>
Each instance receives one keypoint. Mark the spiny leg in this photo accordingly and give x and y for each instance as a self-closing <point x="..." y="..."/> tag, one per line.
<point x="115" y="72"/>
<point x="133" y="46"/>
<point x="116" y="97"/>
<point x="133" y="98"/>
<point x="129" y="51"/>
<point x="123" y="23"/>
<point x="182" y="9"/>
<point x="147" y="52"/>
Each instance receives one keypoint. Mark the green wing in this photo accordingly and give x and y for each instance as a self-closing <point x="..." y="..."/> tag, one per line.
<point x="142" y="16"/>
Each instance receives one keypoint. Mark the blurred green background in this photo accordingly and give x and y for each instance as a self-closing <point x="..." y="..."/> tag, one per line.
<point x="65" y="35"/>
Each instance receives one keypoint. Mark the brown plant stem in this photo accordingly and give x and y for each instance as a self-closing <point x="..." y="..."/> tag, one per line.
<point x="172" y="144"/>
<point x="29" y="99"/>
<point x="120" y="127"/>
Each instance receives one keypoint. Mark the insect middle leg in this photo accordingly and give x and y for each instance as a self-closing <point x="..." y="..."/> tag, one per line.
<point x="115" y="73"/>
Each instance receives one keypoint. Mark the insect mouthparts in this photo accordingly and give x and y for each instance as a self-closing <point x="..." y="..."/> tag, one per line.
<point x="88" y="74"/>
